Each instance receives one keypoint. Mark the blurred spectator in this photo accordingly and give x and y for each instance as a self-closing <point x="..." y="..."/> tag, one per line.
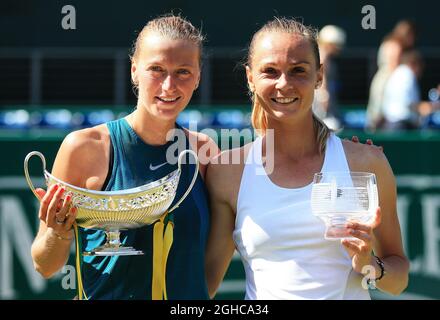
<point x="402" y="105"/>
<point x="405" y="32"/>
<point x="388" y="60"/>
<point x="331" y="40"/>
<point x="401" y="38"/>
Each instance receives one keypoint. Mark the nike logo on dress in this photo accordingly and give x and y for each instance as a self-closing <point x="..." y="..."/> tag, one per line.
<point x="152" y="168"/>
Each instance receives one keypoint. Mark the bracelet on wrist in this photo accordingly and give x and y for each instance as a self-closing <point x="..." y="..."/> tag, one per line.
<point x="372" y="282"/>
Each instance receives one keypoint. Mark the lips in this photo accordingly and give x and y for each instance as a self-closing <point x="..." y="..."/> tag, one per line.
<point x="284" y="100"/>
<point x="167" y="100"/>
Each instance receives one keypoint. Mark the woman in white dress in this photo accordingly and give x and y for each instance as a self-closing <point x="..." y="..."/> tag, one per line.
<point x="261" y="205"/>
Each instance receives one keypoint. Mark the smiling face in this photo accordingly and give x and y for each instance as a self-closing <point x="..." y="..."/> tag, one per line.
<point x="166" y="72"/>
<point x="283" y="74"/>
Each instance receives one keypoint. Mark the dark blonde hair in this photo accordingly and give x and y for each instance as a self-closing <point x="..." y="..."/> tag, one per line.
<point x="173" y="27"/>
<point x="293" y="27"/>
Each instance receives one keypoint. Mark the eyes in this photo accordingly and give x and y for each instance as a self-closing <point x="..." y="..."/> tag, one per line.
<point x="155" y="69"/>
<point x="272" y="72"/>
<point x="158" y="71"/>
<point x="269" y="70"/>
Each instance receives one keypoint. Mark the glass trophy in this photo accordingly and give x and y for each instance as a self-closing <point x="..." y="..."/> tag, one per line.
<point x="340" y="197"/>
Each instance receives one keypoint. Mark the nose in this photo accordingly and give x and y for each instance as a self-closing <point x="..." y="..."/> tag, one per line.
<point x="168" y="83"/>
<point x="282" y="82"/>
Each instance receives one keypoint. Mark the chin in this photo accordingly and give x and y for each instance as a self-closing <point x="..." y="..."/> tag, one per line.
<point x="167" y="114"/>
<point x="290" y="116"/>
<point x="284" y="114"/>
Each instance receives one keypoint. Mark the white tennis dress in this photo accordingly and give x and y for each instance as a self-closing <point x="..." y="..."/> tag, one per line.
<point x="282" y="244"/>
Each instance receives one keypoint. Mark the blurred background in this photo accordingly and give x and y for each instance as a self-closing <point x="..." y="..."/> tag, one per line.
<point x="382" y="82"/>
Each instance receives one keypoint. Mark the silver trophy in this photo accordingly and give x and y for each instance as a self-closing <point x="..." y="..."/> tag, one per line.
<point x="113" y="211"/>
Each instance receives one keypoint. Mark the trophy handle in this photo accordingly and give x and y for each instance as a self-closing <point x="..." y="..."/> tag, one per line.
<point x="196" y="171"/>
<point x="26" y="170"/>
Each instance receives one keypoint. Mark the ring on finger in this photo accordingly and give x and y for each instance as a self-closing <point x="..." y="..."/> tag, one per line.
<point x="59" y="221"/>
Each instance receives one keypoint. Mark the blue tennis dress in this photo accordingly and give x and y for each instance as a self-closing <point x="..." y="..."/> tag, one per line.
<point x="136" y="163"/>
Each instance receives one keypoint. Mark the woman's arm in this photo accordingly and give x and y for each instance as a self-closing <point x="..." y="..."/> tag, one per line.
<point x="50" y="249"/>
<point x="220" y="247"/>
<point x="383" y="236"/>
<point x="78" y="162"/>
<point x="387" y="238"/>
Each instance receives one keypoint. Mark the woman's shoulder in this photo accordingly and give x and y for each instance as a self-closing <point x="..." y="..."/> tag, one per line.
<point x="86" y="138"/>
<point x="364" y="157"/>
<point x="228" y="165"/>
<point x="89" y="143"/>
<point x="203" y="141"/>
<point x="224" y="174"/>
<point x="232" y="159"/>
<point x="82" y="154"/>
<point x="205" y="146"/>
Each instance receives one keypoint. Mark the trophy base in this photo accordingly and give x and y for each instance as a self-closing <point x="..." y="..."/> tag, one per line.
<point x="113" y="251"/>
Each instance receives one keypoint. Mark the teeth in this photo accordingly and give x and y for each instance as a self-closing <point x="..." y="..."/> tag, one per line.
<point x="168" y="99"/>
<point x="284" y="100"/>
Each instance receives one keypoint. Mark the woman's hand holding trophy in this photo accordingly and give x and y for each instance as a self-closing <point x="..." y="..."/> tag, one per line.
<point x="57" y="212"/>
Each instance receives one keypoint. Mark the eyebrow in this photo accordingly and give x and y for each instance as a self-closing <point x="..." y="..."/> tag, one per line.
<point x="186" y="66"/>
<point x="162" y="64"/>
<point x="291" y="63"/>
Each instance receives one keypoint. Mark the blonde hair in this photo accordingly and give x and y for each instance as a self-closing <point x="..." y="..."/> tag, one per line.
<point x="294" y="27"/>
<point x="173" y="27"/>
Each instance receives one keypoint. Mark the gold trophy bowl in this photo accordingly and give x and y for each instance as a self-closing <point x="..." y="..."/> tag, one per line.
<point x="113" y="211"/>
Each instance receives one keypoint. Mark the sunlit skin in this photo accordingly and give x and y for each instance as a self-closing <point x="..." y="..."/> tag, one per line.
<point x="167" y="73"/>
<point x="283" y="75"/>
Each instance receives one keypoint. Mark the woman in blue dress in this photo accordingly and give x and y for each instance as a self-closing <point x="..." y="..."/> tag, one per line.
<point x="130" y="152"/>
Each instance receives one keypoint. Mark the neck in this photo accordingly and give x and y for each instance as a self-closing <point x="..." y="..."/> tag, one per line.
<point x="294" y="139"/>
<point x="152" y="130"/>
